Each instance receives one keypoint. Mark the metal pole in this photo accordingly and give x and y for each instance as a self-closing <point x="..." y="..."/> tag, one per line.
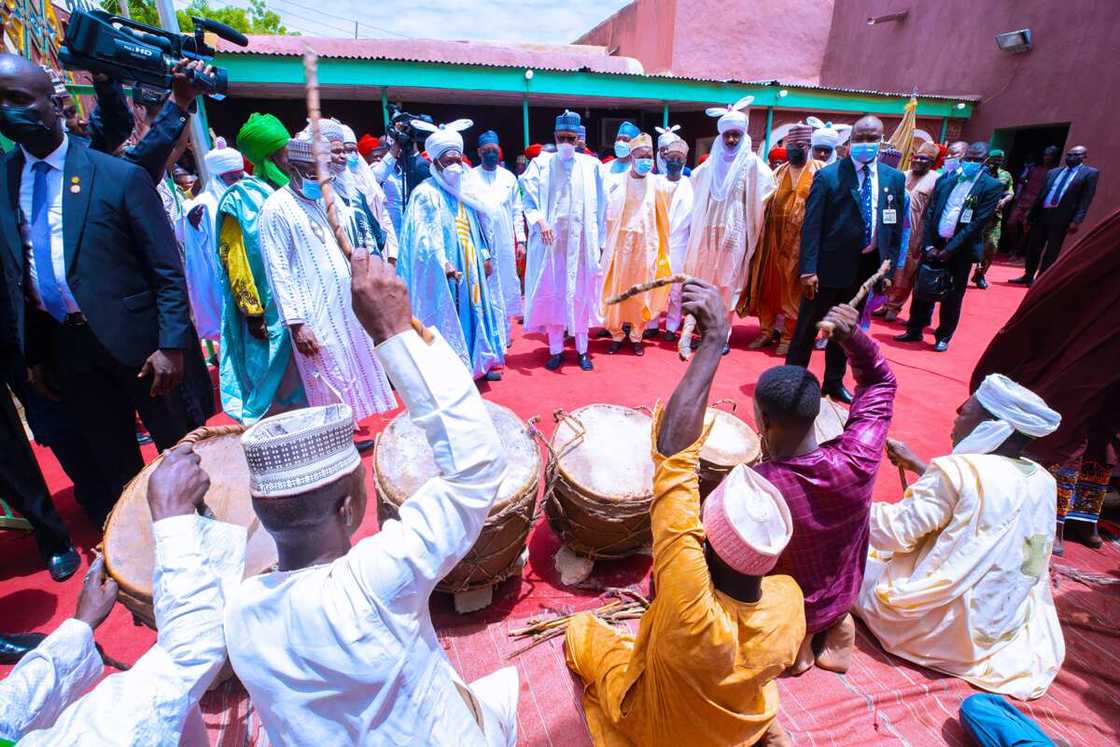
<point x="944" y="129"/>
<point x="355" y="29"/>
<point x="525" y="117"/>
<point x="665" y="116"/>
<point x="200" y="138"/>
<point x="769" y="129"/>
<point x="124" y="9"/>
<point x="385" y="107"/>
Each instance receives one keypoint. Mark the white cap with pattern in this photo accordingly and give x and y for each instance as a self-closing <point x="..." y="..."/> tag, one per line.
<point x="299" y="451"/>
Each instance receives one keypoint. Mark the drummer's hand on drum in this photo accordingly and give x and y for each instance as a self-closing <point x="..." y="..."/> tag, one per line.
<point x="178" y="484"/>
<point x="379" y="297"/>
<point x="844" y="320"/>
<point x="703" y="301"/>
<point x="99" y="594"/>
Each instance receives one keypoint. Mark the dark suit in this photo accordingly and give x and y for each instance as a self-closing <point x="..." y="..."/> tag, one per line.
<point x="832" y="244"/>
<point x="963" y="248"/>
<point x="124" y="271"/>
<point x="1050" y="224"/>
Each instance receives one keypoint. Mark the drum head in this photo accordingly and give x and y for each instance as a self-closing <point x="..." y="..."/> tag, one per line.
<point x="612" y="460"/>
<point x="730" y="442"/>
<point x="830" y="422"/>
<point x="129" y="546"/>
<point x="403" y="460"/>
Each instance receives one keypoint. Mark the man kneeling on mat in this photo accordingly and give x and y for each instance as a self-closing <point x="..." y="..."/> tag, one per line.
<point x="702" y="669"/>
<point x="827" y="486"/>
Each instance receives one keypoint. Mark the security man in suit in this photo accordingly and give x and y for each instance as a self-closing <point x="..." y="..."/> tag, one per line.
<point x="963" y="201"/>
<point x="95" y="280"/>
<point x="853" y="223"/>
<point x="1058" y="210"/>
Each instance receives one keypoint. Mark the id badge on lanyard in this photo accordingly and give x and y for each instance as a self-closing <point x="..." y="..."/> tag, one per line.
<point x="890" y="215"/>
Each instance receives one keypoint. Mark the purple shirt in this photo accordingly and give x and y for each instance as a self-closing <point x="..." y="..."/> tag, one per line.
<point x="829" y="493"/>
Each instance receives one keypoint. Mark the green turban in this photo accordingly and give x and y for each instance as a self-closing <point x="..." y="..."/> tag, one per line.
<point x="995" y="153"/>
<point x="259" y="138"/>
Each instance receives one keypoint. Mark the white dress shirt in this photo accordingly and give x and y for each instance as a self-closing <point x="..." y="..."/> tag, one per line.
<point x="57" y="161"/>
<point x="344" y="653"/>
<point x="874" y="165"/>
<point x="155" y="702"/>
<point x="953" y="206"/>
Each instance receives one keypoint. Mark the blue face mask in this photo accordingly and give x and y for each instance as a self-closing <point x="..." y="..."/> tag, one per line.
<point x="951" y="165"/>
<point x="643" y="165"/>
<point x="970" y="169"/>
<point x="621" y="149"/>
<point x="864" y="152"/>
<point x="311" y="189"/>
<point x="352" y="161"/>
<point x="489" y="158"/>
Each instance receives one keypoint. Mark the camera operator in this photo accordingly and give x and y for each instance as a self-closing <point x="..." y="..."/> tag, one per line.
<point x="108" y="125"/>
<point x="403" y="168"/>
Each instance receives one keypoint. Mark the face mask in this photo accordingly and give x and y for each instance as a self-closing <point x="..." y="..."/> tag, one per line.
<point x="621" y="149"/>
<point x="24" y="125"/>
<point x="797" y="156"/>
<point x="672" y="168"/>
<point x="970" y="168"/>
<point x="453" y="173"/>
<point x="352" y="161"/>
<point x="566" y="151"/>
<point x="951" y="165"/>
<point x="643" y="165"/>
<point x="864" y="152"/>
<point x="310" y="188"/>
<point x="337" y="168"/>
<point x="490" y="159"/>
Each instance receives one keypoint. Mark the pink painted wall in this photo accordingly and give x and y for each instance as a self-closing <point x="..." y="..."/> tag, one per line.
<point x="643" y="30"/>
<point x="948" y="47"/>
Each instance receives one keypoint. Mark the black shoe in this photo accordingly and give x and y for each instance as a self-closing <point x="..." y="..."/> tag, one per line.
<point x="1024" y="280"/>
<point x="726" y="348"/>
<point x="669" y="336"/>
<point x="941" y="346"/>
<point x="363" y="444"/>
<point x="614" y="347"/>
<point x="493" y="376"/>
<point x="838" y="393"/>
<point x="62" y="565"/>
<point x="908" y="337"/>
<point x="14" y="646"/>
<point x="554" y="361"/>
<point x="601" y="334"/>
<point x="585" y="362"/>
<point x="638" y="350"/>
<point x="649" y="334"/>
<point x="981" y="282"/>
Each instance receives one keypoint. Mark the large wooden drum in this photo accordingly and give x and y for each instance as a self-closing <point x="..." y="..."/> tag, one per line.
<point x="730" y="442"/>
<point x="601" y="480"/>
<point x="830" y="422"/>
<point x="403" y="462"/>
<point x="129" y="546"/>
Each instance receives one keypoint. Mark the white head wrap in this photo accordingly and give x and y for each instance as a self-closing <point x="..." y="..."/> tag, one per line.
<point x="667" y="135"/>
<point x="223" y="159"/>
<point x="1015" y="408"/>
<point x="348" y="135"/>
<point x="445" y="137"/>
<point x="727" y="164"/>
<point x="732" y="117"/>
<point x="826" y="133"/>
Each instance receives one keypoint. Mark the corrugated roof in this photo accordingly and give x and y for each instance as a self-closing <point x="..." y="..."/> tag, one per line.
<point x="866" y="91"/>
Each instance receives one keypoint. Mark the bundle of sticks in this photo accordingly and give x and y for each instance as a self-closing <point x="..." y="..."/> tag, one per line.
<point x="628" y="605"/>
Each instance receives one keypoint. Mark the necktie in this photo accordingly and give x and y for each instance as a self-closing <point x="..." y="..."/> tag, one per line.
<point x="865" y="203"/>
<point x="1060" y="184"/>
<point x="49" y="292"/>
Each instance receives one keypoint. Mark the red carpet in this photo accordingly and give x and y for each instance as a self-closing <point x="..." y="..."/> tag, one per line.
<point x="880" y="701"/>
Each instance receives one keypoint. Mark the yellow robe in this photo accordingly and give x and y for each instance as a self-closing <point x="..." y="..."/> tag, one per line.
<point x="702" y="669"/>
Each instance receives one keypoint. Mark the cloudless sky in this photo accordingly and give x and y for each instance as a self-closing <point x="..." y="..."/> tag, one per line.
<point x="559" y="21"/>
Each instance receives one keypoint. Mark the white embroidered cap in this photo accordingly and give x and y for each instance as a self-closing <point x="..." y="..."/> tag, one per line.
<point x="299" y="451"/>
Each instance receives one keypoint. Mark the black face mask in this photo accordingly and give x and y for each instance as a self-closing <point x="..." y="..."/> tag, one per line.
<point x="796" y="156"/>
<point x="674" y="167"/>
<point x="24" y="125"/>
<point x="1071" y="159"/>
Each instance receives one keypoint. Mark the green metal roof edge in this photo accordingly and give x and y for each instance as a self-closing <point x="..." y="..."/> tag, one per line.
<point x="280" y="69"/>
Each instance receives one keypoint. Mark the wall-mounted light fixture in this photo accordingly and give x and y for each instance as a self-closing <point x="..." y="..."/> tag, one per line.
<point x="888" y="18"/>
<point x="783" y="93"/>
<point x="1014" y="42"/>
<point x="528" y="75"/>
<point x="960" y="104"/>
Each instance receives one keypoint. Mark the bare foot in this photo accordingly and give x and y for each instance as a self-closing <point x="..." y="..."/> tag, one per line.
<point x="775" y="736"/>
<point x="836" y="654"/>
<point x="804" y="661"/>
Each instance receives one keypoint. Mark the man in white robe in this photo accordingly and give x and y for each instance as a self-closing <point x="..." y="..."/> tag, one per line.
<point x="155" y="703"/>
<point x="499" y="187"/>
<point x="310" y="281"/>
<point x="957" y="575"/>
<point x="357" y="185"/>
<point x="673" y="155"/>
<point x="730" y="191"/>
<point x="225" y="167"/>
<point x="337" y="647"/>
<point x="566" y="212"/>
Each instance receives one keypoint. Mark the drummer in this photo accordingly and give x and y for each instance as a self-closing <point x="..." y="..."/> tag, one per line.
<point x="158" y="697"/>
<point x="702" y="669"/>
<point x="337" y="646"/>
<point x="827" y="486"/>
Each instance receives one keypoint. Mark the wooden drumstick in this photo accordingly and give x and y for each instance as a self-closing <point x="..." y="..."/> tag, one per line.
<point x="864" y="289"/>
<point x="322" y="167"/>
<point x="643" y="287"/>
<point x="684" y="343"/>
<point x="902" y="477"/>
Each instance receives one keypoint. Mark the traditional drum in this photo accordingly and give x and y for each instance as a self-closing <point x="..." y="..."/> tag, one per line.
<point x="600" y="483"/>
<point x="830" y="422"/>
<point x="403" y="462"/>
<point x="730" y="442"/>
<point x="128" y="545"/>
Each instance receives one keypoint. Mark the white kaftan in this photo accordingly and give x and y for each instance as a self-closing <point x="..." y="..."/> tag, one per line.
<point x="311" y="282"/>
<point x="500" y="188"/>
<point x="155" y="701"/>
<point x="958" y="577"/>
<point x="680" y="223"/>
<point x="562" y="280"/>
<point x="344" y="653"/>
<point x="201" y="263"/>
<point x="724" y="233"/>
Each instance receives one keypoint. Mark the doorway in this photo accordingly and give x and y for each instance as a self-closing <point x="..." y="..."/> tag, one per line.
<point x="1024" y="145"/>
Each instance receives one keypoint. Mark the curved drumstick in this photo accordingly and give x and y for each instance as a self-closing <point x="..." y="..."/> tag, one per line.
<point x="322" y="169"/>
<point x="864" y="289"/>
<point x="643" y="287"/>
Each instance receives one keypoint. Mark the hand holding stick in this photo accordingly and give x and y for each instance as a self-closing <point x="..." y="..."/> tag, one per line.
<point x="827" y="327"/>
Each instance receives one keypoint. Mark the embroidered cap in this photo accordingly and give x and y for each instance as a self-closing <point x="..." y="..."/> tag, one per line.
<point x="747" y="522"/>
<point x="296" y="452"/>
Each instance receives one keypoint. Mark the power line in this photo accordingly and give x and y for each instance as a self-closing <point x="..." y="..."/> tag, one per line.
<point x="315" y="20"/>
<point x="186" y="3"/>
<point x="341" y="18"/>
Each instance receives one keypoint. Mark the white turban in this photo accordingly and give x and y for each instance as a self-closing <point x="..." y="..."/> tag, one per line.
<point x="825" y="136"/>
<point x="331" y="129"/>
<point x="667" y="135"/>
<point x="348" y="135"/>
<point x="223" y="160"/>
<point x="1015" y="408"/>
<point x="733" y="117"/>
<point x="443" y="138"/>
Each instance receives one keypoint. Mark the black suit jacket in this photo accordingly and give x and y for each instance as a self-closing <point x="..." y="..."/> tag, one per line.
<point x="968" y="238"/>
<point x="832" y="232"/>
<point x="122" y="263"/>
<point x="1077" y="198"/>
